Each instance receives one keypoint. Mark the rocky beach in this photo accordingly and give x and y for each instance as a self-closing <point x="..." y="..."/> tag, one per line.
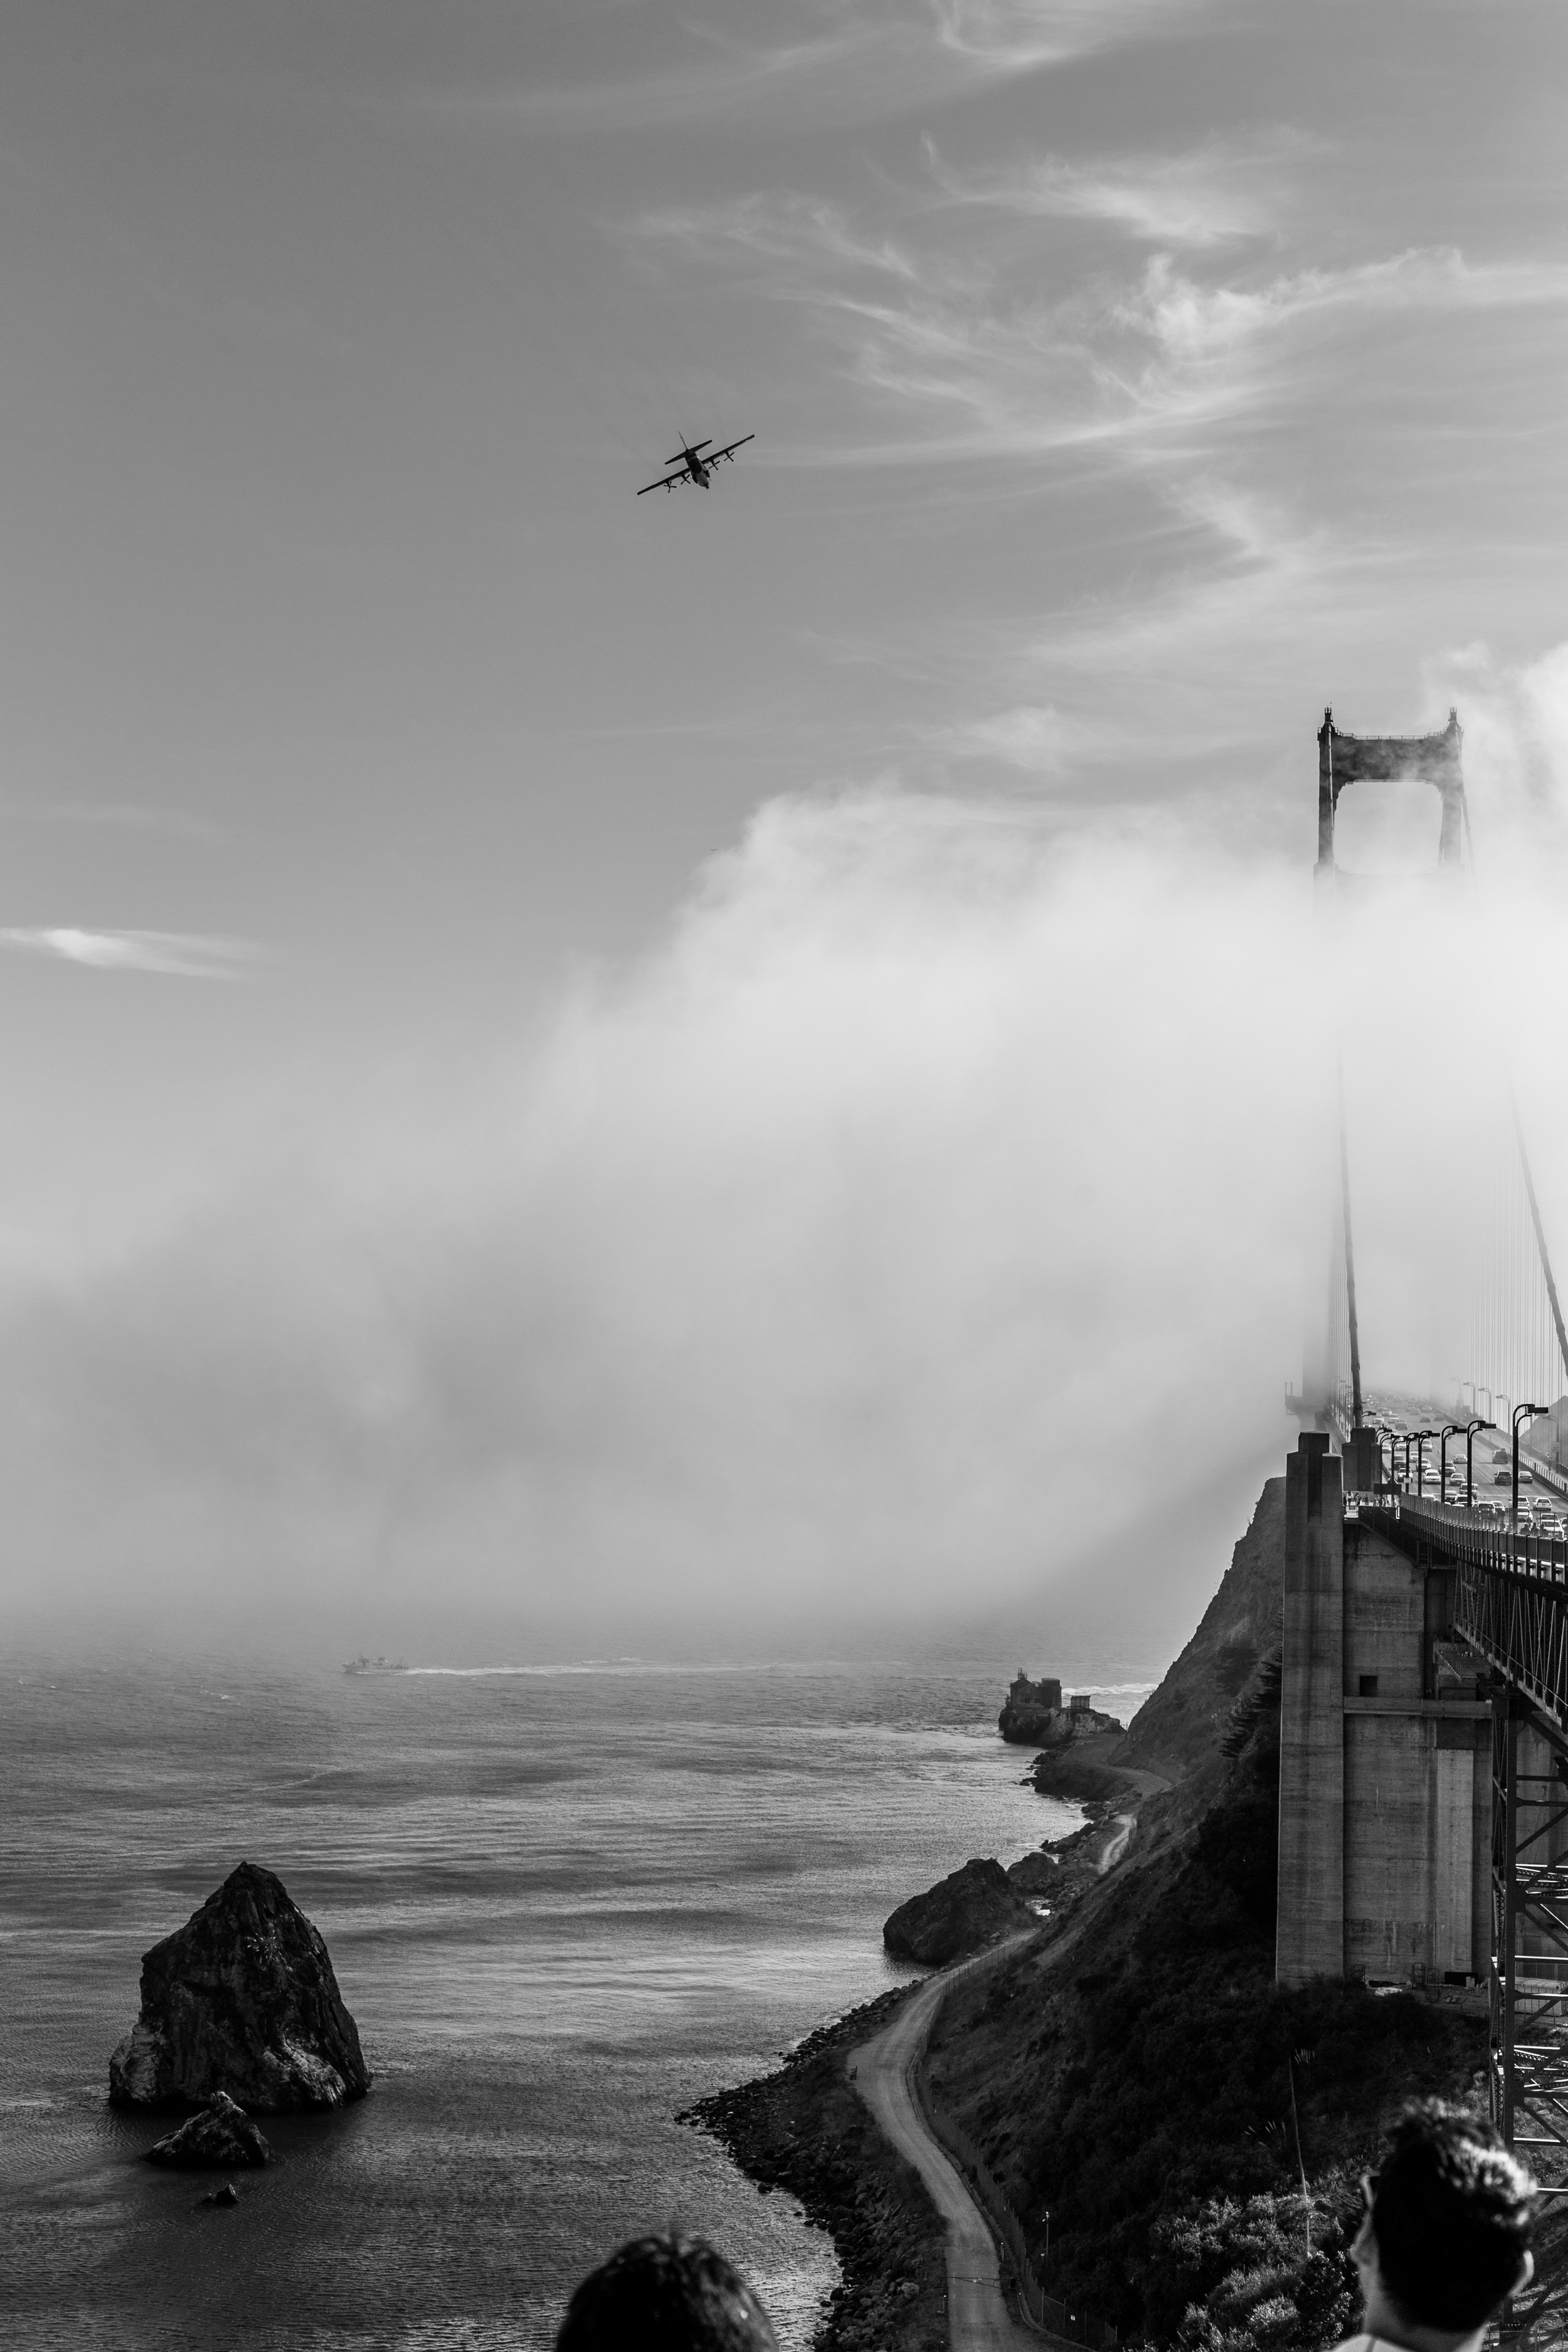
<point x="806" y="2129"/>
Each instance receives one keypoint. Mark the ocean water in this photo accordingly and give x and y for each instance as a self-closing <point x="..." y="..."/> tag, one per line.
<point x="562" y="1905"/>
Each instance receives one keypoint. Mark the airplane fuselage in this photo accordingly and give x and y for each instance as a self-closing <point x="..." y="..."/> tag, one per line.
<point x="690" y="466"/>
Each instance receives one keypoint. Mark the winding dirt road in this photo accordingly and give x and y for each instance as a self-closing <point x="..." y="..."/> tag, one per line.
<point x="978" y="2319"/>
<point x="1118" y="1845"/>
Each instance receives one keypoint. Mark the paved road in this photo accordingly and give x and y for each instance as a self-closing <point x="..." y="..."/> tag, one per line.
<point x="978" y="2319"/>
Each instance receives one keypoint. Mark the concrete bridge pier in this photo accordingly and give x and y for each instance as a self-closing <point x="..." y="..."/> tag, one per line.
<point x="1311" y="1926"/>
<point x="1384" y="1740"/>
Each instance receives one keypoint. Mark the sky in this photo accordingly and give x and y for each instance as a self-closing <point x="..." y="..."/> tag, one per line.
<point x="730" y="1067"/>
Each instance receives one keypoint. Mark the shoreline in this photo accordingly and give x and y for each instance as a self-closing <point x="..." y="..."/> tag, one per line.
<point x="805" y="2128"/>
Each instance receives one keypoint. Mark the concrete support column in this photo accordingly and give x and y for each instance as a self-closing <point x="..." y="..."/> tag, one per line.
<point x="1361" y="1459"/>
<point x="1310" y="1929"/>
<point x="1451" y="1863"/>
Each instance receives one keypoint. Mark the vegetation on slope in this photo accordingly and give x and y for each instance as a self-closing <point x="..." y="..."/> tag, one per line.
<point x="1147" y="2083"/>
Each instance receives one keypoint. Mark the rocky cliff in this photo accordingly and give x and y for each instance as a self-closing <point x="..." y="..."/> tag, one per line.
<point x="241" y="2000"/>
<point x="968" y="1908"/>
<point x="1179" y="1730"/>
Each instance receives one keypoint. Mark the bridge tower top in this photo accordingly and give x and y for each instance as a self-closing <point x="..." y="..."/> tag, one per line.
<point x="1383" y="759"/>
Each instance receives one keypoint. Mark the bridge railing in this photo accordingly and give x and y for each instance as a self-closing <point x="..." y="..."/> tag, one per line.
<point x="1046" y="2311"/>
<point x="1481" y="1540"/>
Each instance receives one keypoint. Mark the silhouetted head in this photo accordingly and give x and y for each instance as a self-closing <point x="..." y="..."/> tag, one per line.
<point x="1447" y="2236"/>
<point x="665" y="2294"/>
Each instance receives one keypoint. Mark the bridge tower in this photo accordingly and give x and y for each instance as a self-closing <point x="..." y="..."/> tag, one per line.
<point x="1386" y="759"/>
<point x="1423" y="1715"/>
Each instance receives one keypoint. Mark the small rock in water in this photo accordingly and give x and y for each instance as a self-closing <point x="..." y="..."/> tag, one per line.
<point x="228" y="2195"/>
<point x="222" y="2135"/>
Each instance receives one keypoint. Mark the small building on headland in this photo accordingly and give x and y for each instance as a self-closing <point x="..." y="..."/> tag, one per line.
<point x="1034" y="1715"/>
<point x="1047" y="1693"/>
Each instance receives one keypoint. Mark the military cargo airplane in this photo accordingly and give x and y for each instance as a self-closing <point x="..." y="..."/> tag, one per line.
<point x="691" y="466"/>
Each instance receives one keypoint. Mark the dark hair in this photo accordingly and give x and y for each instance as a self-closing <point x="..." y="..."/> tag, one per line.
<point x="1451" y="2212"/>
<point x="665" y="2294"/>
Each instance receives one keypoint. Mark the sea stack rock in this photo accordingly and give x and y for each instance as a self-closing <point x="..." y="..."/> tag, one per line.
<point x="969" y="1909"/>
<point x="221" y="2137"/>
<point x="240" y="2000"/>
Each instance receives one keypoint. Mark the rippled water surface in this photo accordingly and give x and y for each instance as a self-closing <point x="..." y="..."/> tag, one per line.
<point x="560" y="1905"/>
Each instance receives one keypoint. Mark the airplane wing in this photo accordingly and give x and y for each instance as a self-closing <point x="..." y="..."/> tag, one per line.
<point x="729" y="449"/>
<point x="667" y="483"/>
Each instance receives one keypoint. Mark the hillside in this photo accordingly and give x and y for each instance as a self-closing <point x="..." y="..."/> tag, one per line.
<point x="1137" y="2085"/>
<point x="1137" y="2073"/>
<point x="1176" y="1733"/>
<point x="1178" y="1728"/>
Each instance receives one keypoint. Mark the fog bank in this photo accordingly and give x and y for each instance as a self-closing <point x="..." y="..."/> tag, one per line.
<point x="912" y="1238"/>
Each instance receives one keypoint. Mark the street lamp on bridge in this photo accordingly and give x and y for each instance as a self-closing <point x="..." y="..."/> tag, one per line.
<point x="1450" y="1429"/>
<point x="1521" y="1413"/>
<point x="1420" y="1437"/>
<point x="1470" y="1464"/>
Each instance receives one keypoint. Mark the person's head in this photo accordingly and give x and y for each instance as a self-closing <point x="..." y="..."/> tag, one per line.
<point x="1447" y="2235"/>
<point x="665" y="2294"/>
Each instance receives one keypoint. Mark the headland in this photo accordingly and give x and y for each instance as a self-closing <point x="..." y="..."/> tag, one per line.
<point x="1130" y="2067"/>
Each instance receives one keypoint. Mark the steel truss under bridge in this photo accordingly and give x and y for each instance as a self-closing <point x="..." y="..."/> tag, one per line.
<point x="1528" y="2057"/>
<point x="1511" y="1603"/>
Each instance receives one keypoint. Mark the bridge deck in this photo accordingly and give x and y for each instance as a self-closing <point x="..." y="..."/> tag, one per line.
<point x="1511" y="1600"/>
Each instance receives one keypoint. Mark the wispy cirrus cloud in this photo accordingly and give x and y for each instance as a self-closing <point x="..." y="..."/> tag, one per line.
<point x="182" y="955"/>
<point x="782" y="226"/>
<point x="1219" y="193"/>
<point x="1041" y="739"/>
<point x="1021" y="35"/>
<point x="1188" y="320"/>
<point x="858" y="63"/>
<point x="1172" y="351"/>
<point x="1031" y="736"/>
<point x="969" y="364"/>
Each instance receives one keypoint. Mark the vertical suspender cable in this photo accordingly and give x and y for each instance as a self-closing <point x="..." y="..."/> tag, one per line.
<point x="1539" y="1230"/>
<point x="1350" y="1248"/>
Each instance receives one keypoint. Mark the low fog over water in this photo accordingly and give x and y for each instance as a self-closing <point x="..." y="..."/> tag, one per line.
<point x="913" y="1239"/>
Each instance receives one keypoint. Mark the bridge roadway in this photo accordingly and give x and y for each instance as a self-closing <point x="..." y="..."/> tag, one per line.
<point x="1511" y="1598"/>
